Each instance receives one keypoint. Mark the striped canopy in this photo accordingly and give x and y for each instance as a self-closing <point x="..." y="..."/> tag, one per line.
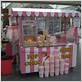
<point x="44" y="12"/>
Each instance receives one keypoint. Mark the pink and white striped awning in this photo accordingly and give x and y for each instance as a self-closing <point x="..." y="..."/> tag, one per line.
<point x="43" y="12"/>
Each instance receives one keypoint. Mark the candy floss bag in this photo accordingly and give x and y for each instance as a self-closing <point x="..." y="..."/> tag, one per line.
<point x="9" y="33"/>
<point x="46" y="67"/>
<point x="41" y="71"/>
<point x="56" y="61"/>
<point x="52" y="64"/>
<point x="69" y="35"/>
<point x="42" y="66"/>
<point x="72" y="34"/>
<point x="12" y="33"/>
<point x="62" y="63"/>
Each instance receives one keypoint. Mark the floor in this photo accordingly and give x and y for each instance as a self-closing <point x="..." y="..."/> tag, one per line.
<point x="75" y="75"/>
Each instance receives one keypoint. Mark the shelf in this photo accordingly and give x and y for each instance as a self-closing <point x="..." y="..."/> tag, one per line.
<point x="62" y="44"/>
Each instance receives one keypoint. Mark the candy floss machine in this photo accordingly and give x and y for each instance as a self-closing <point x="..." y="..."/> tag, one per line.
<point x="44" y="34"/>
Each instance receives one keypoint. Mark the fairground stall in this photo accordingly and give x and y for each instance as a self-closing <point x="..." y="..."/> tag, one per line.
<point x="43" y="33"/>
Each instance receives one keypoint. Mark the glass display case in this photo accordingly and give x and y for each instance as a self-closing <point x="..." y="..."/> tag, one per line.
<point x="32" y="26"/>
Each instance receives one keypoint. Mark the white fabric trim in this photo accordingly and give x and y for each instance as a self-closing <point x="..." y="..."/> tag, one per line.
<point x="52" y="14"/>
<point x="44" y="11"/>
<point x="73" y="14"/>
<point x="37" y="13"/>
<point x="28" y="13"/>
<point x="59" y="14"/>
<point x="19" y="13"/>
<point x="66" y="14"/>
<point x="44" y="14"/>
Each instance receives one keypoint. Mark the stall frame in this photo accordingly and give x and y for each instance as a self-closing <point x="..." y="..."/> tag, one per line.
<point x="23" y="52"/>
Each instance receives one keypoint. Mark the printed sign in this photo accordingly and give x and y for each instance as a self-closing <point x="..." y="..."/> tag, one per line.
<point x="66" y="56"/>
<point x="65" y="49"/>
<point x="35" y="60"/>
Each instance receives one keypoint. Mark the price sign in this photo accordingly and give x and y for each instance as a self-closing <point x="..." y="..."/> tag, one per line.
<point x="29" y="59"/>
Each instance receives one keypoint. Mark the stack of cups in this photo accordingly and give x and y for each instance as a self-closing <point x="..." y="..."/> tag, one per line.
<point x="52" y="66"/>
<point x="66" y="69"/>
<point x="62" y="66"/>
<point x="41" y="71"/>
<point x="46" y="67"/>
<point x="57" y="66"/>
